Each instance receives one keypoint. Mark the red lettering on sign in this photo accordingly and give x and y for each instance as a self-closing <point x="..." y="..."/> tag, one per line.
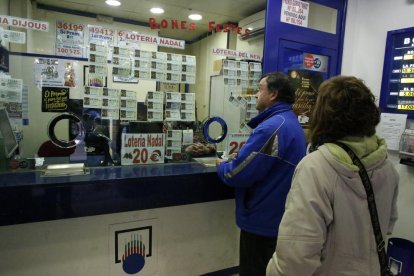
<point x="4" y="21"/>
<point x="211" y="26"/>
<point x="308" y="60"/>
<point x="183" y="25"/>
<point x="192" y="26"/>
<point x="164" y="24"/>
<point x="153" y="24"/>
<point x="219" y="28"/>
<point x="174" y="24"/>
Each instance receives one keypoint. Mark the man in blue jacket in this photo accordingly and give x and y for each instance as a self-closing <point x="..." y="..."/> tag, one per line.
<point x="262" y="171"/>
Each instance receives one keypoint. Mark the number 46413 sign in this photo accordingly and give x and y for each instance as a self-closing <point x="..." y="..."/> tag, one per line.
<point x="138" y="148"/>
<point x="235" y="141"/>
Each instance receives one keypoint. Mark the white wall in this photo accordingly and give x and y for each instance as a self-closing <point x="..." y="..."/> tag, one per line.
<point x="367" y="24"/>
<point x="205" y="60"/>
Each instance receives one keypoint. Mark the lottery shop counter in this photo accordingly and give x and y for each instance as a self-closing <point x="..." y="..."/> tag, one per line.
<point x="28" y="196"/>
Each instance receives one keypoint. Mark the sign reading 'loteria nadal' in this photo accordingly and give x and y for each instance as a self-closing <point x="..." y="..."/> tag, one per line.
<point x="134" y="38"/>
<point x="138" y="148"/>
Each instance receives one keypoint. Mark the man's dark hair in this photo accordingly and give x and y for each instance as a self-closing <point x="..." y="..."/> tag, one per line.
<point x="279" y="82"/>
<point x="345" y="107"/>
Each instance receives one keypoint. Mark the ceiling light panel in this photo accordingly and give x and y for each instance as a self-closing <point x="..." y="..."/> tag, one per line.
<point x="195" y="16"/>
<point x="114" y="3"/>
<point x="157" y="10"/>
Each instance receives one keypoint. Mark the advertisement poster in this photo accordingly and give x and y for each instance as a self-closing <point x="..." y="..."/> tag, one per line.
<point x="306" y="85"/>
<point x="139" y="148"/>
<point x="55" y="99"/>
<point x="101" y="35"/>
<point x="14" y="110"/>
<point x="49" y="72"/>
<point x="295" y="12"/>
<point x="314" y="62"/>
<point x="12" y="36"/>
<point x="391" y="127"/>
<point x="69" y="33"/>
<point x="11" y="90"/>
<point x="68" y="50"/>
<point x="69" y="39"/>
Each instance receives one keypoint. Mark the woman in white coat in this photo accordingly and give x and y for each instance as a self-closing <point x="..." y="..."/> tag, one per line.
<point x="326" y="228"/>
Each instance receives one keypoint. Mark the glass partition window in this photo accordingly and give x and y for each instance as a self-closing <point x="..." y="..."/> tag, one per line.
<point x="101" y="92"/>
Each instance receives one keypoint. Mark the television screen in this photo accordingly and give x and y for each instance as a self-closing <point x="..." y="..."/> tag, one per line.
<point x="6" y="131"/>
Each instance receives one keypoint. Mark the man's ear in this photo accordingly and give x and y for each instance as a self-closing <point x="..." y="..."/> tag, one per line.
<point x="274" y="95"/>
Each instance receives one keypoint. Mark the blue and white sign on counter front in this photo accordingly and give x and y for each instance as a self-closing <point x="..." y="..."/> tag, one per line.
<point x="133" y="248"/>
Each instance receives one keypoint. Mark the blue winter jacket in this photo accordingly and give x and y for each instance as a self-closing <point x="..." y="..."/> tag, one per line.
<point x="262" y="171"/>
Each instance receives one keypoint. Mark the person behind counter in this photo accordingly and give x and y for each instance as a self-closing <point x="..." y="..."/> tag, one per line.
<point x="262" y="171"/>
<point x="326" y="228"/>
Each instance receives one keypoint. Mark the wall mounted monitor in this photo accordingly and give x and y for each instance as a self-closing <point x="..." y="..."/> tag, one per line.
<point x="397" y="89"/>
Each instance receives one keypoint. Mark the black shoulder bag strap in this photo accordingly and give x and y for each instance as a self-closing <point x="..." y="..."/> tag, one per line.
<point x="372" y="209"/>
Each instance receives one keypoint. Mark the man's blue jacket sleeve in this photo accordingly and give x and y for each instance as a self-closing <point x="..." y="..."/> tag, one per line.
<point x="250" y="165"/>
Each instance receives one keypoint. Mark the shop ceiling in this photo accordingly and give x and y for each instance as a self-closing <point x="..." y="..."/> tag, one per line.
<point x="219" y="11"/>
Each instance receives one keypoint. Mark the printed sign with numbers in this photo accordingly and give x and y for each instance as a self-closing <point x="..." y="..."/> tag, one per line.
<point x="235" y="141"/>
<point x="140" y="149"/>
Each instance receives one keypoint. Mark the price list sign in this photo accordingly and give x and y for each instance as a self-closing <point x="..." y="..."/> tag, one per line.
<point x="397" y="90"/>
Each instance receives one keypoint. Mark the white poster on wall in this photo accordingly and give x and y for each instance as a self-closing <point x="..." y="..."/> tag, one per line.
<point x="69" y="39"/>
<point x="11" y="90"/>
<point x="295" y="12"/>
<point x="391" y="127"/>
<point x="69" y="50"/>
<point x="12" y="36"/>
<point x="49" y="72"/>
<point x="69" y="33"/>
<point x="101" y="35"/>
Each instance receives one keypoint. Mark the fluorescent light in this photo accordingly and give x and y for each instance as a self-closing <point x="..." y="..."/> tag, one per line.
<point x="195" y="16"/>
<point x="114" y="3"/>
<point x="157" y="10"/>
<point x="250" y="29"/>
